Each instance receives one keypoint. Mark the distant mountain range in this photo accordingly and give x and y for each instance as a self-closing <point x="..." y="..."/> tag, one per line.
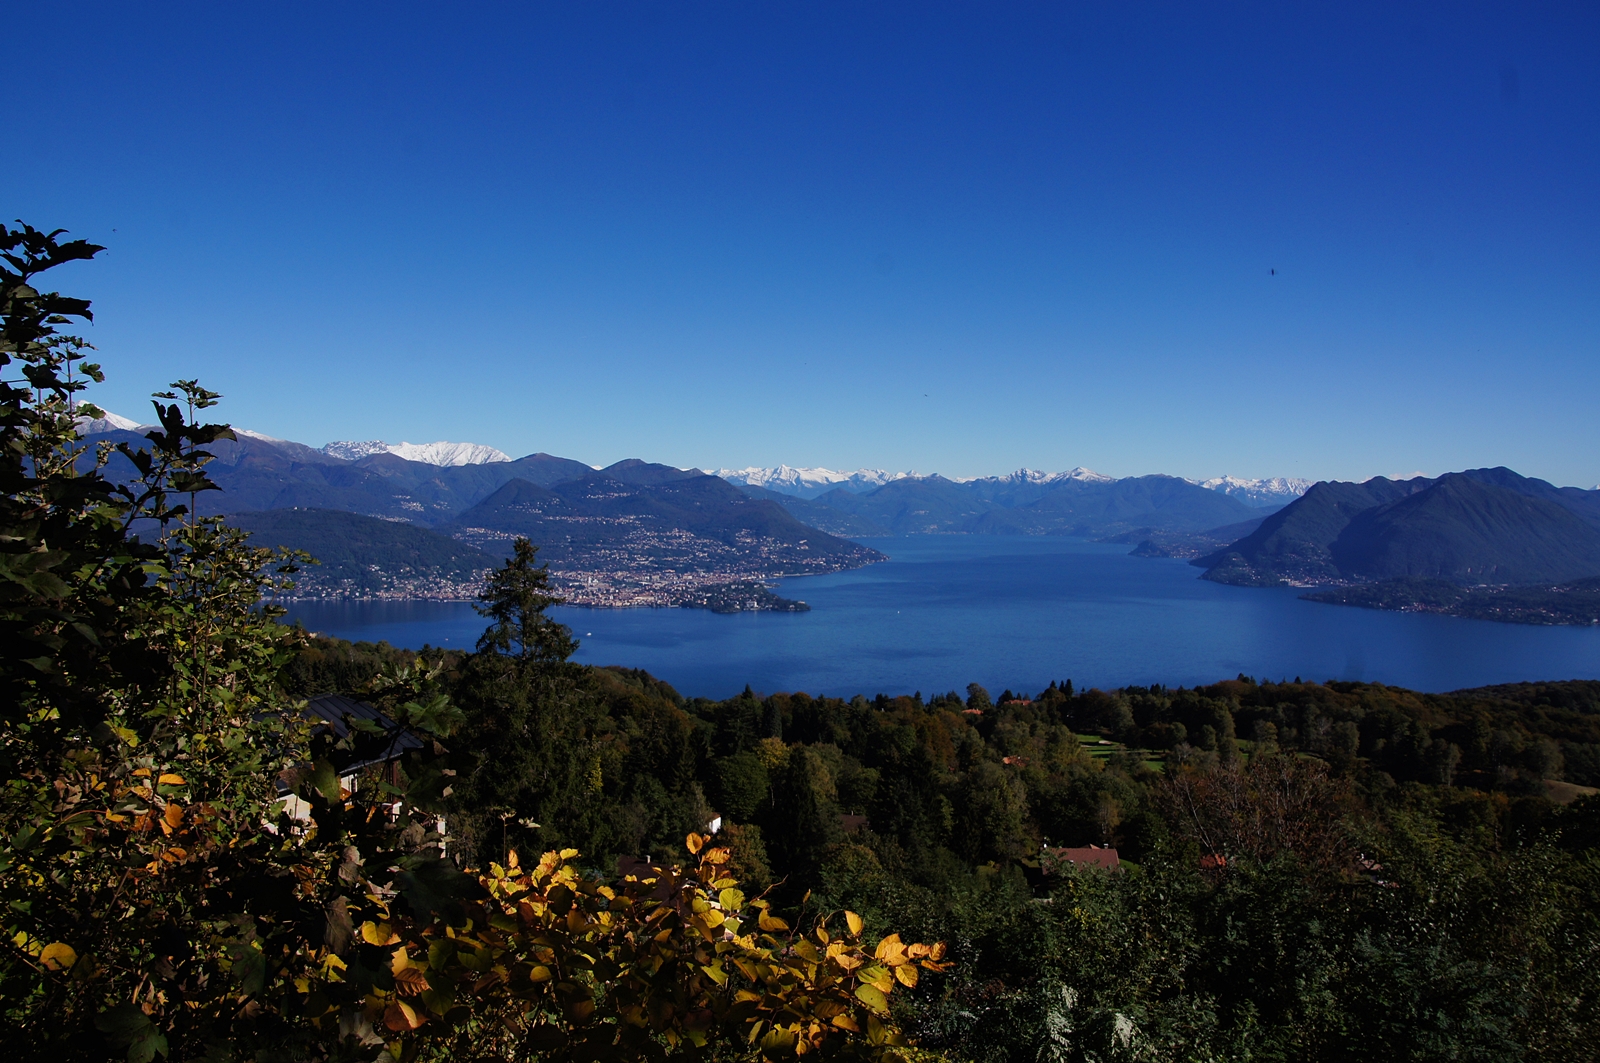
<point x="813" y="483"/>
<point x="809" y="483"/>
<point x="1022" y="503"/>
<point x="637" y="533"/>
<point x="634" y="533"/>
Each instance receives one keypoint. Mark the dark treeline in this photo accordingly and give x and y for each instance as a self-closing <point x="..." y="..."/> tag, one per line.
<point x="1310" y="870"/>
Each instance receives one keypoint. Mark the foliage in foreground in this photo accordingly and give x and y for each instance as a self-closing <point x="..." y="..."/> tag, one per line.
<point x="188" y="872"/>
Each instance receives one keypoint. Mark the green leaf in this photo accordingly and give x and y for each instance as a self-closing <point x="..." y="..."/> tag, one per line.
<point x="326" y="780"/>
<point x="129" y="1027"/>
<point x="249" y="969"/>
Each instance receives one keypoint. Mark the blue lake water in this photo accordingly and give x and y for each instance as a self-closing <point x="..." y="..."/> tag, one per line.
<point x="1015" y="612"/>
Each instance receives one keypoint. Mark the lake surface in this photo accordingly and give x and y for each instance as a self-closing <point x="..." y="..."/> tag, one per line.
<point x="1015" y="612"/>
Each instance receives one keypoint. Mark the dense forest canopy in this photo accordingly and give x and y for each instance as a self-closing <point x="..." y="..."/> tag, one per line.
<point x="1308" y="869"/>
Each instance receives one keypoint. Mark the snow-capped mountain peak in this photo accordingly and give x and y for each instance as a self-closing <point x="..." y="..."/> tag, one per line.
<point x="89" y="426"/>
<point x="258" y="435"/>
<point x="351" y="450"/>
<point x="440" y="453"/>
<point x="1271" y="491"/>
<point x="1038" y="476"/>
<point x="809" y="482"/>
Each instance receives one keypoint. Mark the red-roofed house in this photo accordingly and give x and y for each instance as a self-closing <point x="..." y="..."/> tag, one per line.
<point x="1054" y="861"/>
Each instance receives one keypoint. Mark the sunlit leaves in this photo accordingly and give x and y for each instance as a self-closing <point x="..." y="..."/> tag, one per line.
<point x="572" y="960"/>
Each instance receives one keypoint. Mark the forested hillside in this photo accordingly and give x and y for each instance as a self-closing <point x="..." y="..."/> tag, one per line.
<point x="1283" y="846"/>
<point x="366" y="557"/>
<point x="1481" y="526"/>
<point x="652" y="514"/>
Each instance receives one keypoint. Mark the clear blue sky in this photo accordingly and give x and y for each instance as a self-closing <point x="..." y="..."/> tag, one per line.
<point x="955" y="238"/>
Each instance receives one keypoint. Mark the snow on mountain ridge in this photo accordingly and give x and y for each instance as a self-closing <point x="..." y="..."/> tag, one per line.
<point x="89" y="426"/>
<point x="350" y="450"/>
<point x="440" y="453"/>
<point x="1038" y="476"/>
<point x="809" y="482"/>
<point x="1273" y="490"/>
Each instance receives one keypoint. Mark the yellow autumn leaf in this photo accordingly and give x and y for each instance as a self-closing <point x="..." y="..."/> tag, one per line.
<point x="907" y="974"/>
<point x="411" y="982"/>
<point x="378" y="934"/>
<point x="398" y="1016"/>
<point x="57" y="956"/>
<point x="854" y="922"/>
<point x="873" y="998"/>
<point x="170" y="779"/>
<point x="878" y="977"/>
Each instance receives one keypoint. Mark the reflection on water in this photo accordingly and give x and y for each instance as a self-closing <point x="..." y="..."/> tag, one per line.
<point x="1015" y="612"/>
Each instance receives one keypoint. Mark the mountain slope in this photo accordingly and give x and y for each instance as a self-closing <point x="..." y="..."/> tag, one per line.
<point x="693" y="522"/>
<point x="923" y="506"/>
<point x="1470" y="531"/>
<point x="1480" y="526"/>
<point x="366" y="557"/>
<point x="822" y="517"/>
<point x="1163" y="502"/>
<point x="1296" y="542"/>
<point x="1077" y="503"/>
